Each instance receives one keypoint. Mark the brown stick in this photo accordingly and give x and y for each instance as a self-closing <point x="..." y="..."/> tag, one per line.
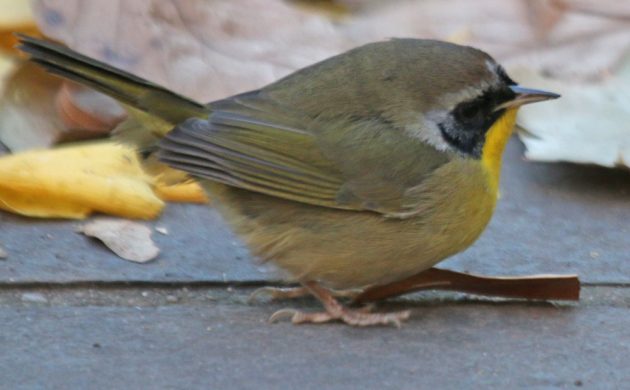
<point x="537" y="287"/>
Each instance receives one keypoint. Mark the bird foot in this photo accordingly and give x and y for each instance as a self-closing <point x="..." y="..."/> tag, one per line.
<point x="354" y="317"/>
<point x="335" y="311"/>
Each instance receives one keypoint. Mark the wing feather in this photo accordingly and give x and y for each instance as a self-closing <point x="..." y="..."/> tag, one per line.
<point x="253" y="143"/>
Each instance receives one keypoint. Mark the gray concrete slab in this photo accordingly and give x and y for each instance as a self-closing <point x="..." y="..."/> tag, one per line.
<point x="198" y="247"/>
<point x="221" y="343"/>
<point x="555" y="218"/>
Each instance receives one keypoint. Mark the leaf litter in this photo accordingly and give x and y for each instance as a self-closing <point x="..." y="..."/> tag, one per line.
<point x="128" y="239"/>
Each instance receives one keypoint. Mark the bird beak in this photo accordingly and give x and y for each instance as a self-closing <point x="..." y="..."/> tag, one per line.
<point x="526" y="96"/>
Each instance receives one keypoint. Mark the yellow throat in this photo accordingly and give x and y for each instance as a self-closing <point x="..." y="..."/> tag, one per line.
<point x="496" y="139"/>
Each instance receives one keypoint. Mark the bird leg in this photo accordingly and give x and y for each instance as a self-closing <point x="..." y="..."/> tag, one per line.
<point x="335" y="311"/>
<point x="280" y="293"/>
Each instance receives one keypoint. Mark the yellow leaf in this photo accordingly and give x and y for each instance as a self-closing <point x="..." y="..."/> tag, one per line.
<point x="173" y="185"/>
<point x="190" y="192"/>
<point x="31" y="205"/>
<point x="72" y="181"/>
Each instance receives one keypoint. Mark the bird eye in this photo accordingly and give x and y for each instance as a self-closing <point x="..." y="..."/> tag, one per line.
<point x="468" y="112"/>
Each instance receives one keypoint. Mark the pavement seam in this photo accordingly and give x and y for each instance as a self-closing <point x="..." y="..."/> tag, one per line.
<point x="192" y="284"/>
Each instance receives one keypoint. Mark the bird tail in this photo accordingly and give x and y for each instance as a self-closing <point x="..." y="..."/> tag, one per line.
<point x="122" y="86"/>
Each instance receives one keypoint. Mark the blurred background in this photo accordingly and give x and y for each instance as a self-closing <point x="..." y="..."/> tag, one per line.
<point x="210" y="49"/>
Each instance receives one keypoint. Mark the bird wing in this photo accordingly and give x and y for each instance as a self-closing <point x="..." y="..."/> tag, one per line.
<point x="254" y="143"/>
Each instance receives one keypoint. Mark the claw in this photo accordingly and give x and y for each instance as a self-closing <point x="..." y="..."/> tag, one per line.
<point x="396" y="319"/>
<point x="256" y="293"/>
<point x="281" y="314"/>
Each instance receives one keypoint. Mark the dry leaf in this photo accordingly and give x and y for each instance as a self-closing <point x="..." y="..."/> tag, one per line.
<point x="203" y="49"/>
<point x="73" y="181"/>
<point x="89" y="113"/>
<point x="589" y="124"/>
<point x="212" y="49"/>
<point x="31" y="98"/>
<point x="3" y="253"/>
<point x="549" y="36"/>
<point x="129" y="240"/>
<point x="538" y="287"/>
<point x="189" y="192"/>
<point x="39" y="110"/>
<point x="172" y="185"/>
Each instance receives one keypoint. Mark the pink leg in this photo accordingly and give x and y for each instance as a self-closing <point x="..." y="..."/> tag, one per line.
<point x="334" y="311"/>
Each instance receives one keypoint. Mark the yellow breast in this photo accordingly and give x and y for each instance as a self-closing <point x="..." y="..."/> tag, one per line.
<point x="496" y="139"/>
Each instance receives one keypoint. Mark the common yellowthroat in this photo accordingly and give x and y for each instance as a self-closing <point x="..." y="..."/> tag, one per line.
<point x="360" y="170"/>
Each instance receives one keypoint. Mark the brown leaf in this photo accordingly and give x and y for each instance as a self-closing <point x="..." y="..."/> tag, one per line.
<point x="203" y="49"/>
<point x="39" y="110"/>
<point x="129" y="240"/>
<point x="555" y="43"/>
<point x="538" y="287"/>
<point x="212" y="49"/>
<point x="87" y="112"/>
<point x="544" y="15"/>
<point x="3" y="253"/>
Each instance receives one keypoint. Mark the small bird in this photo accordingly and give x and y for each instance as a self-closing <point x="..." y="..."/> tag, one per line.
<point x="360" y="170"/>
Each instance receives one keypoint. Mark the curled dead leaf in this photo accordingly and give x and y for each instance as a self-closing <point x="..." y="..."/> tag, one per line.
<point x="39" y="110"/>
<point x="73" y="181"/>
<point x="82" y="108"/>
<point x="127" y="239"/>
<point x="187" y="192"/>
<point x="596" y="135"/>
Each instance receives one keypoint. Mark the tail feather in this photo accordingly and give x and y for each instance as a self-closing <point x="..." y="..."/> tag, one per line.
<point x="123" y="86"/>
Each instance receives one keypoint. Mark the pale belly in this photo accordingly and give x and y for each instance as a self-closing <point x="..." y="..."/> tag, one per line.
<point x="349" y="249"/>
